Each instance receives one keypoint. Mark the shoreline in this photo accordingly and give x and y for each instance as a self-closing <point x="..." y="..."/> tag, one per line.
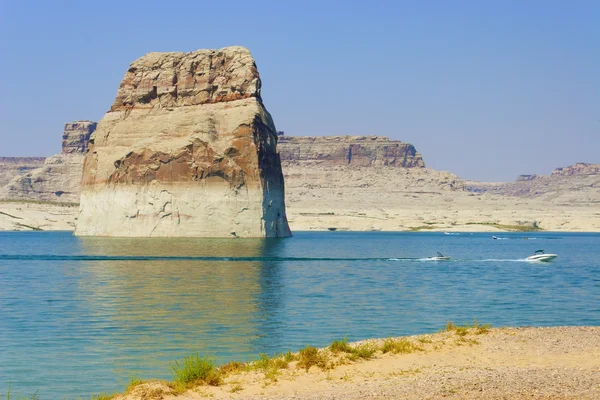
<point x="412" y="215"/>
<point x="459" y="362"/>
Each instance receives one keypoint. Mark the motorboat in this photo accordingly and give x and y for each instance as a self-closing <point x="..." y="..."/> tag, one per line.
<point x="539" y="255"/>
<point x="439" y="257"/>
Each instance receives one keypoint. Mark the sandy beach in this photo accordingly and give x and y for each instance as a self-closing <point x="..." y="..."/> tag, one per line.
<point x="507" y="363"/>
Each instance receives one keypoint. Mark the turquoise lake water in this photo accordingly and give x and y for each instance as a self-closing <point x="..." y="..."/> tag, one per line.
<point x="79" y="316"/>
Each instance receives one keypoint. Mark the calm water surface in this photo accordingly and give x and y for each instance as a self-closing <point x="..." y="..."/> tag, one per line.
<point x="78" y="316"/>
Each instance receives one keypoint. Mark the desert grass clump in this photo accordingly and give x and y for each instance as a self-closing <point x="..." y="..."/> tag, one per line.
<point x="196" y="369"/>
<point x="399" y="346"/>
<point x="364" y="351"/>
<point x="133" y="382"/>
<point x="232" y="367"/>
<point x="459" y="330"/>
<point x="481" y="329"/>
<point x="271" y="366"/>
<point x="310" y="356"/>
<point x="338" y="346"/>
<point x="288" y="356"/>
<point x="278" y="361"/>
<point x="466" y="329"/>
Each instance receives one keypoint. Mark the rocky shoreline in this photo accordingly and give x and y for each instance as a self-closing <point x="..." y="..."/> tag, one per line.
<point x="458" y="363"/>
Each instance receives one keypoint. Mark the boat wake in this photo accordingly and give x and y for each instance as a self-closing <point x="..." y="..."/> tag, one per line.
<point x="52" y="257"/>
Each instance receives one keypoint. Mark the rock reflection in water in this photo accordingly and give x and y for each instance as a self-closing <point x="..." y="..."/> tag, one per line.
<point x="152" y="312"/>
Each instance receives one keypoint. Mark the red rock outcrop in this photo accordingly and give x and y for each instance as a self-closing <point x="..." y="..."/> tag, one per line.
<point x="187" y="149"/>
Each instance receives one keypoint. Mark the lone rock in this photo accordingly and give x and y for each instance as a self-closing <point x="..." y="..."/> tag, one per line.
<point x="187" y="149"/>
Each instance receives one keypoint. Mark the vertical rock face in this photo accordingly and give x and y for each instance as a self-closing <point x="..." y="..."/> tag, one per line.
<point x="187" y="149"/>
<point x="59" y="178"/>
<point x="76" y="136"/>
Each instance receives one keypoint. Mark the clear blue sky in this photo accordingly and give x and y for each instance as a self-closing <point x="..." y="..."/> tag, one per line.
<point x="485" y="89"/>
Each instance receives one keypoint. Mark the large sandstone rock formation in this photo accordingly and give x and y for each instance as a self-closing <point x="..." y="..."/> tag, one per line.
<point x="361" y="151"/>
<point x="58" y="179"/>
<point x="187" y="149"/>
<point x="10" y="167"/>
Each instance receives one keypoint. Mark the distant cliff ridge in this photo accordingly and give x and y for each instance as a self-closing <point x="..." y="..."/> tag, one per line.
<point x="17" y="166"/>
<point x="58" y="178"/>
<point x="575" y="183"/>
<point x="577" y="169"/>
<point x="360" y="151"/>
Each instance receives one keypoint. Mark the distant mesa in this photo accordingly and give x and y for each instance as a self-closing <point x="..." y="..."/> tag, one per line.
<point x="360" y="151"/>
<point x="58" y="177"/>
<point x="187" y="149"/>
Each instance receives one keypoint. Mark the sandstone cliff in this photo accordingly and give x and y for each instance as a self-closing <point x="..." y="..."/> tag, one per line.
<point x="187" y="149"/>
<point x="361" y="151"/>
<point x="76" y="136"/>
<point x="10" y="167"/>
<point x="58" y="179"/>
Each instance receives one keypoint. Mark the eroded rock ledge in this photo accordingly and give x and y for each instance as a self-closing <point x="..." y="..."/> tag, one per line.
<point x="187" y="149"/>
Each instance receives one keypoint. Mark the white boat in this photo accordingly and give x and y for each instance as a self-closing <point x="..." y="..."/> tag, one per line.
<point x="439" y="257"/>
<point x="539" y="255"/>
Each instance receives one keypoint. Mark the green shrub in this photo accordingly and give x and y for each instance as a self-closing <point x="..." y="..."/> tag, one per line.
<point x="340" y="346"/>
<point x="196" y="369"/>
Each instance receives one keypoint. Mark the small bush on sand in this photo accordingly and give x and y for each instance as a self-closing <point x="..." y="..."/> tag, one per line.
<point x="340" y="346"/>
<point x="231" y="367"/>
<point x="365" y="351"/>
<point x="133" y="382"/>
<point x="399" y="346"/>
<point x="464" y="329"/>
<point x="310" y="356"/>
<point x="289" y="356"/>
<point x="459" y="330"/>
<point x="481" y="329"/>
<point x="196" y="369"/>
